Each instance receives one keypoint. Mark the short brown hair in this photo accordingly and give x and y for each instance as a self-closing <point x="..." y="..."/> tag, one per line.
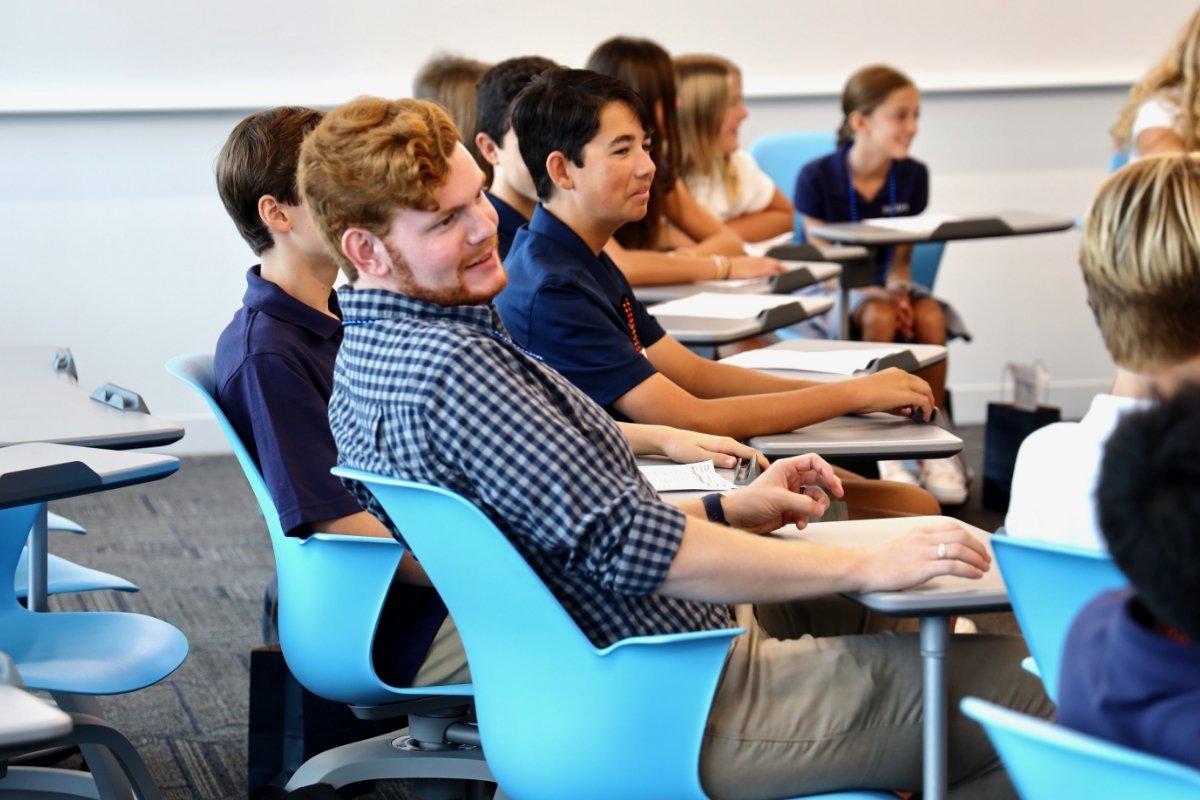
<point x="452" y="82"/>
<point x="1141" y="262"/>
<point x="368" y="158"/>
<point x="259" y="158"/>
<point x="865" y="91"/>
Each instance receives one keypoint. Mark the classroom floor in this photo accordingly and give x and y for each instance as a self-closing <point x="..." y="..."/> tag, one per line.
<point x="196" y="545"/>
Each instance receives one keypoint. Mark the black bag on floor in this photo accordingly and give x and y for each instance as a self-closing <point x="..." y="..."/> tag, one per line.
<point x="1007" y="427"/>
<point x="289" y="724"/>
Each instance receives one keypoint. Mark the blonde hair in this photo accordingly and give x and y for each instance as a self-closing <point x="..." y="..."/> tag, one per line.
<point x="370" y="157"/>
<point x="705" y="85"/>
<point x="1179" y="69"/>
<point x="865" y="91"/>
<point x="1140" y="257"/>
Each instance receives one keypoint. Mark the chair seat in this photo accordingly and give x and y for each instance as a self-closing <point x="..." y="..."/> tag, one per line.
<point x="57" y="522"/>
<point x="91" y="653"/>
<point x="66" y="576"/>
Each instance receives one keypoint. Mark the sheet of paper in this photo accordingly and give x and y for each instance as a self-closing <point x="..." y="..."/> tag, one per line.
<point x="701" y="476"/>
<point x="821" y="270"/>
<point x="761" y="248"/>
<point x="720" y="305"/>
<point x="836" y="362"/>
<point x="922" y="223"/>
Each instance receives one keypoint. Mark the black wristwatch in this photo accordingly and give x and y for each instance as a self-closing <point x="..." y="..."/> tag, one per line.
<point x="713" y="508"/>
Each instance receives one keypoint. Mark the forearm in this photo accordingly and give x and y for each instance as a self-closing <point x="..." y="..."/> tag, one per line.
<point x="761" y="225"/>
<point x="714" y="379"/>
<point x="900" y="268"/>
<point x="645" y="440"/>
<point x="716" y="564"/>
<point x="724" y="241"/>
<point x="651" y="268"/>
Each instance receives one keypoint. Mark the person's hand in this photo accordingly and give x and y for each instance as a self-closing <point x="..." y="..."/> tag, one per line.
<point x="902" y="303"/>
<point x="754" y="267"/>
<point x="897" y="392"/>
<point x="688" y="447"/>
<point x="789" y="492"/>
<point x="922" y="553"/>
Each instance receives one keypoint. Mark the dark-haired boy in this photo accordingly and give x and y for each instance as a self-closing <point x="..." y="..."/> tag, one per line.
<point x="585" y="139"/>
<point x="512" y="193"/>
<point x="1131" y="664"/>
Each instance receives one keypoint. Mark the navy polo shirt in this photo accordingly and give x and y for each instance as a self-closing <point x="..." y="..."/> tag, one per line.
<point x="565" y="303"/>
<point x="823" y="192"/>
<point x="1124" y="682"/>
<point x="274" y="371"/>
<point x="510" y="221"/>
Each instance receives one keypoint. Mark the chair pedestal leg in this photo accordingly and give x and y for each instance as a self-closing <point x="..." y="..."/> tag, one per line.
<point x="388" y="756"/>
<point x="111" y="758"/>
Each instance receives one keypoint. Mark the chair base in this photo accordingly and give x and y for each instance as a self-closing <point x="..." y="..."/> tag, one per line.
<point x="390" y="756"/>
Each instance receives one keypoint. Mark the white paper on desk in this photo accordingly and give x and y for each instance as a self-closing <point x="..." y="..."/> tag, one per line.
<point x="834" y="362"/>
<point x="700" y="476"/>
<point x="922" y="223"/>
<point x="761" y="248"/>
<point x="821" y="270"/>
<point x="720" y="305"/>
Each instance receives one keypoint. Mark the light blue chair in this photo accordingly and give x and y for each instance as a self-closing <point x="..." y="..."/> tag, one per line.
<point x="76" y="655"/>
<point x="1050" y="762"/>
<point x="559" y="717"/>
<point x="1048" y="584"/>
<point x="64" y="576"/>
<point x="783" y="155"/>
<point x="332" y="589"/>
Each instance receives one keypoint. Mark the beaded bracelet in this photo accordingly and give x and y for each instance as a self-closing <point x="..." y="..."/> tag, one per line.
<point x="724" y="267"/>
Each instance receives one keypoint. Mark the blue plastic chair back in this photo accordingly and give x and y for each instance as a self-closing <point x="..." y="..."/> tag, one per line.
<point x="1050" y="762"/>
<point x="783" y="155"/>
<point x="1118" y="160"/>
<point x="1048" y="584"/>
<point x="64" y="576"/>
<point x="331" y="587"/>
<point x="558" y="717"/>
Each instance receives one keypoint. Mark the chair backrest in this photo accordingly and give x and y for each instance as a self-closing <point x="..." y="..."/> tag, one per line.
<point x="782" y="156"/>
<point x="1118" y="160"/>
<point x="1048" y="584"/>
<point x="331" y="588"/>
<point x="1050" y="762"/>
<point x="558" y="717"/>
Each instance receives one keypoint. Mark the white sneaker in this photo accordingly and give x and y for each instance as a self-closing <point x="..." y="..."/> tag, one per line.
<point x="897" y="471"/>
<point x="965" y="625"/>
<point x="945" y="479"/>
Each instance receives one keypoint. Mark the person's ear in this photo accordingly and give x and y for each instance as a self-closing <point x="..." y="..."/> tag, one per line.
<point x="273" y="214"/>
<point x="366" y="252"/>
<point x="858" y="121"/>
<point x="558" y="168"/>
<point x="488" y="148"/>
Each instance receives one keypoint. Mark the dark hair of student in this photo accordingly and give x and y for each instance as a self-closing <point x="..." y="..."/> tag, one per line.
<point x="865" y="91"/>
<point x="648" y="69"/>
<point x="499" y="86"/>
<point x="1148" y="506"/>
<point x="259" y="158"/>
<point x="560" y="111"/>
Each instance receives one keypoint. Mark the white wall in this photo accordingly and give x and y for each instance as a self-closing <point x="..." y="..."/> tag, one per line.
<point x="116" y="244"/>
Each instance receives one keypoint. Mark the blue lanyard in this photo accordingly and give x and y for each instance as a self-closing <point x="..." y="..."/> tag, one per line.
<point x="891" y="185"/>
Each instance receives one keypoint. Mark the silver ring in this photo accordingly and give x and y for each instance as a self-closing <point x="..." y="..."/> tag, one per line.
<point x="941" y="550"/>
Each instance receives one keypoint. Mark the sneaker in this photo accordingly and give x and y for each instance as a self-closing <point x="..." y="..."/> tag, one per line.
<point x="945" y="479"/>
<point x="897" y="471"/>
<point x="965" y="625"/>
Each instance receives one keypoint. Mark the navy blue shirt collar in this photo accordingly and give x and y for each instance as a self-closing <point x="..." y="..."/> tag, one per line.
<point x="510" y="221"/>
<point x="545" y="223"/>
<point x="268" y="298"/>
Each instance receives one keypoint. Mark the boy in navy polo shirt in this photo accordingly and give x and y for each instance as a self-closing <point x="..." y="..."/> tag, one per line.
<point x="567" y="301"/>
<point x="511" y="192"/>
<point x="274" y="366"/>
<point x="1131" y="665"/>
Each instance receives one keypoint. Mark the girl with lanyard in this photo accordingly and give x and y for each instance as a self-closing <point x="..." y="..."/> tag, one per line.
<point x="678" y="241"/>
<point x="871" y="175"/>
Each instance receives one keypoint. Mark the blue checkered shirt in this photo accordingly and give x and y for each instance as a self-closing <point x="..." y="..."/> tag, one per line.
<point x="441" y="395"/>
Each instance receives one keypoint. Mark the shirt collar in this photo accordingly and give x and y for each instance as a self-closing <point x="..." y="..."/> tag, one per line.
<point x="1106" y="410"/>
<point x="268" y="298"/>
<point x="363" y="306"/>
<point x="545" y="223"/>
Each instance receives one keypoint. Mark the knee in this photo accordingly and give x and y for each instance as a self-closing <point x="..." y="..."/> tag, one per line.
<point x="877" y="321"/>
<point x="929" y="322"/>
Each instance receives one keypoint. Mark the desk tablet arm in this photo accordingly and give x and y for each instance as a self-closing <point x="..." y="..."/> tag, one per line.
<point x="770" y="319"/>
<point x="903" y="359"/>
<point x="45" y="483"/>
<point x="119" y="398"/>
<point x="63" y="361"/>
<point x="791" y="280"/>
<point x="982" y="228"/>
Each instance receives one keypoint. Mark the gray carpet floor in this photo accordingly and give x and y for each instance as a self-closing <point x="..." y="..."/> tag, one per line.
<point x="196" y="545"/>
